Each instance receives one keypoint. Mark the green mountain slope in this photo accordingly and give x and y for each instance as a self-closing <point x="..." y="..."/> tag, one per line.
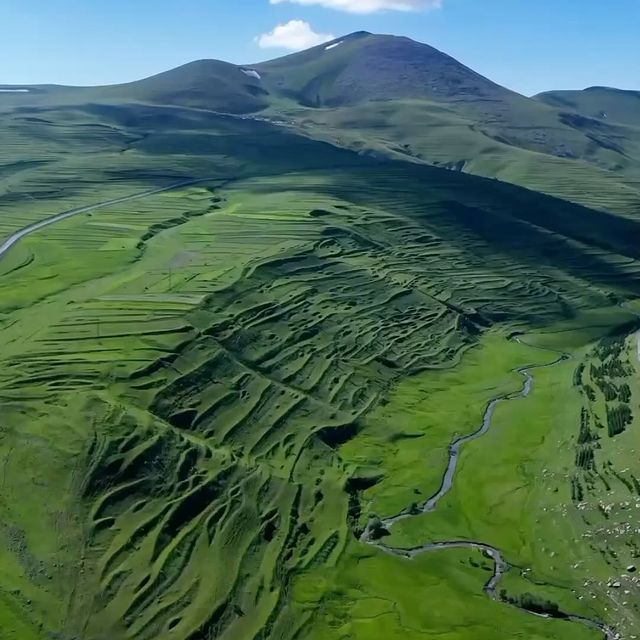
<point x="193" y="384"/>
<point x="205" y="84"/>
<point x="363" y="68"/>
<point x="397" y="96"/>
<point x="602" y="103"/>
<point x="394" y="96"/>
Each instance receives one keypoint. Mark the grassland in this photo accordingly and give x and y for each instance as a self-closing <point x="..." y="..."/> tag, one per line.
<point x="206" y="393"/>
<point x="436" y="134"/>
<point x="572" y="544"/>
<point x="602" y="103"/>
<point x="396" y="97"/>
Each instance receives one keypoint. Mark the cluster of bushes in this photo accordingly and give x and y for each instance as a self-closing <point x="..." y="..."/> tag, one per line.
<point x="618" y="418"/>
<point x="586" y="435"/>
<point x="613" y="368"/>
<point x="610" y="347"/>
<point x="585" y="458"/>
<point x="609" y="351"/>
<point x="577" y="492"/>
<point x="577" y="375"/>
<point x="624" y="393"/>
<point x="611" y="392"/>
<point x="532" y="603"/>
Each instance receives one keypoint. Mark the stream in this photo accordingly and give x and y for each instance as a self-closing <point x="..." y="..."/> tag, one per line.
<point x="501" y="566"/>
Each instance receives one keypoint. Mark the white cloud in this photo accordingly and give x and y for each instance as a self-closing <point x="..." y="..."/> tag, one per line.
<point x="294" y="35"/>
<point x="369" y="6"/>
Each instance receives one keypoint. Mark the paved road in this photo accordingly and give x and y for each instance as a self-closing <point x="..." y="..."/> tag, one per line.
<point x="36" y="226"/>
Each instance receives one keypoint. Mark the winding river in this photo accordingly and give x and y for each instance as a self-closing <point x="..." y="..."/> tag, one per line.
<point x="501" y="566"/>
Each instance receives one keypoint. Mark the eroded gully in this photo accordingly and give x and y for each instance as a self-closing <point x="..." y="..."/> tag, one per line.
<point x="501" y="566"/>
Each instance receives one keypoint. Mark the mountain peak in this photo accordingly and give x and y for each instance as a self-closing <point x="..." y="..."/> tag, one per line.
<point x="362" y="67"/>
<point x="356" y="34"/>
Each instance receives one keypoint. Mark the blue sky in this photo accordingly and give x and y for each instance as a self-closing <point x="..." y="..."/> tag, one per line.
<point x="527" y="45"/>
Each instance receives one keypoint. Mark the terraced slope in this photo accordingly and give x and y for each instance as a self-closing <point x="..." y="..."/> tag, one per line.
<point x="182" y="378"/>
<point x="61" y="158"/>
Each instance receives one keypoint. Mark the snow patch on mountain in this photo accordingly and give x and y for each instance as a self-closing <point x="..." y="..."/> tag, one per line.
<point x="251" y="73"/>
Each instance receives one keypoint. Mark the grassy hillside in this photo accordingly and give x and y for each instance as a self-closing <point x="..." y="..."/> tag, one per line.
<point x="434" y="134"/>
<point x="602" y="103"/>
<point x="396" y="97"/>
<point x="364" y="68"/>
<point x="202" y="390"/>
<point x="205" y="84"/>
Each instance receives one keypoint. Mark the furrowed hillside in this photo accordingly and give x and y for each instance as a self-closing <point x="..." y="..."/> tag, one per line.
<point x="181" y="374"/>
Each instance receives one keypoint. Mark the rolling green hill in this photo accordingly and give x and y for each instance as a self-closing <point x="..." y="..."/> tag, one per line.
<point x="400" y="98"/>
<point x="205" y="84"/>
<point x="602" y="103"/>
<point x="397" y="96"/>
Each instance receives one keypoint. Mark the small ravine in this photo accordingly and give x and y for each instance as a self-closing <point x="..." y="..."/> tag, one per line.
<point x="501" y="566"/>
